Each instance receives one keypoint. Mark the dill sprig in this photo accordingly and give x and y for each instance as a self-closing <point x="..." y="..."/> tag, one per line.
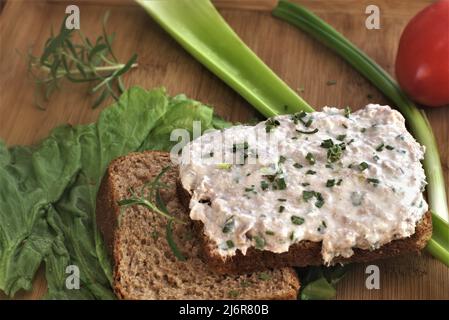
<point x="85" y="62"/>
<point x="150" y="198"/>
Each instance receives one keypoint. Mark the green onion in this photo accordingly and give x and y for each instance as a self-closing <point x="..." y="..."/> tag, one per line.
<point x="416" y="119"/>
<point x="201" y="30"/>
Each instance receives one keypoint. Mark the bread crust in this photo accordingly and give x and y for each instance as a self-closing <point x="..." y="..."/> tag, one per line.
<point x="304" y="253"/>
<point x="107" y="215"/>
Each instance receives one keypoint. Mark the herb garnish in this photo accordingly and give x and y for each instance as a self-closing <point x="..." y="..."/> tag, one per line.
<point x="363" y="166"/>
<point x="307" y="195"/>
<point x="310" y="158"/>
<point x="230" y="244"/>
<point x="260" y="242"/>
<point x="310" y="172"/>
<point x="335" y="152"/>
<point x="330" y="183"/>
<point x="308" y="132"/>
<point x="152" y="200"/>
<point x="341" y="137"/>
<point x="299" y="116"/>
<point x="270" y="124"/>
<point x="328" y="143"/>
<point x="87" y="61"/>
<point x="380" y="147"/>
<point x="297" y="220"/>
<point x="281" y="209"/>
<point x="229" y="225"/>
<point x="388" y="147"/>
<point x="373" y="181"/>
<point x="347" y="112"/>
<point x="264" y="185"/>
<point x="297" y="165"/>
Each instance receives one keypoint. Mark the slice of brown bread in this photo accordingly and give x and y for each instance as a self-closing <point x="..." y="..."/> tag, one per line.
<point x="145" y="266"/>
<point x="304" y="253"/>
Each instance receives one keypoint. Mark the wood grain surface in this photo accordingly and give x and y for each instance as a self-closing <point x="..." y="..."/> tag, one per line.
<point x="296" y="58"/>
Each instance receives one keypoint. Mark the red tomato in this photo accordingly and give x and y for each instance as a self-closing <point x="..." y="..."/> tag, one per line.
<point x="422" y="62"/>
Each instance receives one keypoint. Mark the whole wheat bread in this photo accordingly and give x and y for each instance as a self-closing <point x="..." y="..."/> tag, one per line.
<point x="304" y="253"/>
<point x="145" y="266"/>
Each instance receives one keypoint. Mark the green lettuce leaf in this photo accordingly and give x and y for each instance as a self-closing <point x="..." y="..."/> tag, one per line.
<point x="48" y="192"/>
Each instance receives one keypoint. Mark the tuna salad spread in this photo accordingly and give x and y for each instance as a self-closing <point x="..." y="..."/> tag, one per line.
<point x="350" y="180"/>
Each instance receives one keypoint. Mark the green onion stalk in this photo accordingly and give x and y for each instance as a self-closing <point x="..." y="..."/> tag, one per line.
<point x="201" y="30"/>
<point x="415" y="118"/>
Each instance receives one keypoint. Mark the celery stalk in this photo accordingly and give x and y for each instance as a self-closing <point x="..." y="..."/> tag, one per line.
<point x="201" y="30"/>
<point x="415" y="118"/>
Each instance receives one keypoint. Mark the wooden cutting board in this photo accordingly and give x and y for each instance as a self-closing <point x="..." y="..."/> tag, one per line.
<point x="296" y="58"/>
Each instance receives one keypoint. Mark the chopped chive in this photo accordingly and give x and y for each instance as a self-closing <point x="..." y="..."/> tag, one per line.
<point x="344" y="126"/>
<point x="362" y="130"/>
<point x="389" y="147"/>
<point x="269" y="232"/>
<point x="229" y="225"/>
<point x="305" y="184"/>
<point x="328" y="143"/>
<point x="282" y="159"/>
<point x="310" y="172"/>
<point x="308" y="132"/>
<point x="376" y="157"/>
<point x="330" y="183"/>
<point x="319" y="200"/>
<point x="282" y="200"/>
<point x="335" y="152"/>
<point x="250" y="189"/>
<point x="298" y="116"/>
<point x="264" y="185"/>
<point x="339" y="182"/>
<point x="292" y="235"/>
<point x="297" y="165"/>
<point x="280" y="183"/>
<point x="307" y="195"/>
<point x="281" y="209"/>
<point x="260" y="242"/>
<point x="347" y="112"/>
<point x="363" y="166"/>
<point x="374" y="181"/>
<point x="380" y="147"/>
<point x="230" y="244"/>
<point x="341" y="137"/>
<point x="297" y="220"/>
<point x="270" y="124"/>
<point x="310" y="158"/>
